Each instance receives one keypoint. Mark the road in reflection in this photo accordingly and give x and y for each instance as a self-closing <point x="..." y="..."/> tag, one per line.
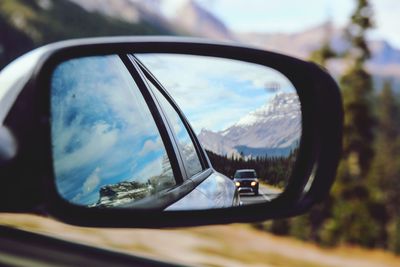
<point x="266" y="193"/>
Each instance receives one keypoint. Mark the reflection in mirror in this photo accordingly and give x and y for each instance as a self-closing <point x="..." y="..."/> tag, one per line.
<point x="246" y="116"/>
<point x="107" y="150"/>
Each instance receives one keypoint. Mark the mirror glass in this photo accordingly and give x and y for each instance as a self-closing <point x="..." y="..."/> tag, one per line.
<point x="107" y="149"/>
<point x="110" y="146"/>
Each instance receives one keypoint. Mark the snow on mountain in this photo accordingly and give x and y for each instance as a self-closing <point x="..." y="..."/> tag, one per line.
<point x="273" y="129"/>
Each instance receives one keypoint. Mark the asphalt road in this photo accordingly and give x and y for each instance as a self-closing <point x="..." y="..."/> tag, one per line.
<point x="265" y="193"/>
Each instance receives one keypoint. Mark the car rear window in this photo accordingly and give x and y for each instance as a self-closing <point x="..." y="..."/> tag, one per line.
<point x="245" y="174"/>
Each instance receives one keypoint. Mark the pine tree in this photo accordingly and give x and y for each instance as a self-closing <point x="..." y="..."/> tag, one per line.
<point x="325" y="52"/>
<point x="353" y="214"/>
<point x="385" y="171"/>
<point x="357" y="91"/>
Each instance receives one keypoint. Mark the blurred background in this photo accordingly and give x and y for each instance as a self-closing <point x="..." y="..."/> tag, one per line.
<point x="358" y="41"/>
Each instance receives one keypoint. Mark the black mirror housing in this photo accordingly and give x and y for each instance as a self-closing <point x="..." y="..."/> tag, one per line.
<point x="28" y="177"/>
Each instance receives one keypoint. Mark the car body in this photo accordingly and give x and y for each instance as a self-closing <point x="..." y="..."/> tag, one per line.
<point x="246" y="180"/>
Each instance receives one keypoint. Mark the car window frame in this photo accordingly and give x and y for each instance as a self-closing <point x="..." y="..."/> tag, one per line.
<point x="180" y="134"/>
<point x="184" y="185"/>
<point x="157" y="202"/>
<point x="153" y="115"/>
<point x="161" y="123"/>
<point x="204" y="160"/>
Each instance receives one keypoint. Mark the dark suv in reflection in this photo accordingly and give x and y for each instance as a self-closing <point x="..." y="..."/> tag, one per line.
<point x="246" y="181"/>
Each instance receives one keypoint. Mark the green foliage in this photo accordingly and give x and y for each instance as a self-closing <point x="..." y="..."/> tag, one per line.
<point x="352" y="217"/>
<point x="363" y="209"/>
<point x="384" y="177"/>
<point x="394" y="235"/>
<point x="364" y="206"/>
<point x="361" y="22"/>
<point x="323" y="54"/>
<point x="272" y="170"/>
<point x="280" y="227"/>
<point x="385" y="170"/>
<point x="300" y="227"/>
<point x="355" y="224"/>
<point x="359" y="122"/>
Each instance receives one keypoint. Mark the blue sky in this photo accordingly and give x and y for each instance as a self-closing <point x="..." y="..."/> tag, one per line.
<point x="296" y="15"/>
<point x="215" y="93"/>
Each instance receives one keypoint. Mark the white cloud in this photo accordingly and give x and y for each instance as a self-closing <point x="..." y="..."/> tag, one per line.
<point x="151" y="146"/>
<point x="99" y="119"/>
<point x="90" y="184"/>
<point x="210" y="90"/>
<point x="92" y="181"/>
<point x="387" y="20"/>
<point x="152" y="168"/>
<point x="95" y="143"/>
<point x="84" y="132"/>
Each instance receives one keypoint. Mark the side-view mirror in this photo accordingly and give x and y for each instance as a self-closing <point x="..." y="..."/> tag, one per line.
<point x="161" y="132"/>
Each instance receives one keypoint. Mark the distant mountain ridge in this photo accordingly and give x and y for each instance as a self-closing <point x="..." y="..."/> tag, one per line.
<point x="384" y="63"/>
<point x="27" y="24"/>
<point x="198" y="21"/>
<point x="48" y="21"/>
<point x="128" y="10"/>
<point x="273" y="129"/>
<point x="187" y="17"/>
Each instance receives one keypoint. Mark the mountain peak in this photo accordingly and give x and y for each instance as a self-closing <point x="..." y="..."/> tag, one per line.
<point x="200" y="22"/>
<point x="284" y="104"/>
<point x="272" y="129"/>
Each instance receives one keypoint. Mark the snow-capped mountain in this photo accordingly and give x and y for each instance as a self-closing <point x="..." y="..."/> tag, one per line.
<point x="273" y="129"/>
<point x="127" y="192"/>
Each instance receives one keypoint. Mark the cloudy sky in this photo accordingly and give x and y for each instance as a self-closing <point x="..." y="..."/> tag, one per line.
<point x="215" y="93"/>
<point x="297" y="15"/>
<point x="102" y="131"/>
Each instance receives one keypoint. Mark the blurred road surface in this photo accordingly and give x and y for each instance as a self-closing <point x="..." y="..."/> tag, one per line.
<point x="265" y="193"/>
